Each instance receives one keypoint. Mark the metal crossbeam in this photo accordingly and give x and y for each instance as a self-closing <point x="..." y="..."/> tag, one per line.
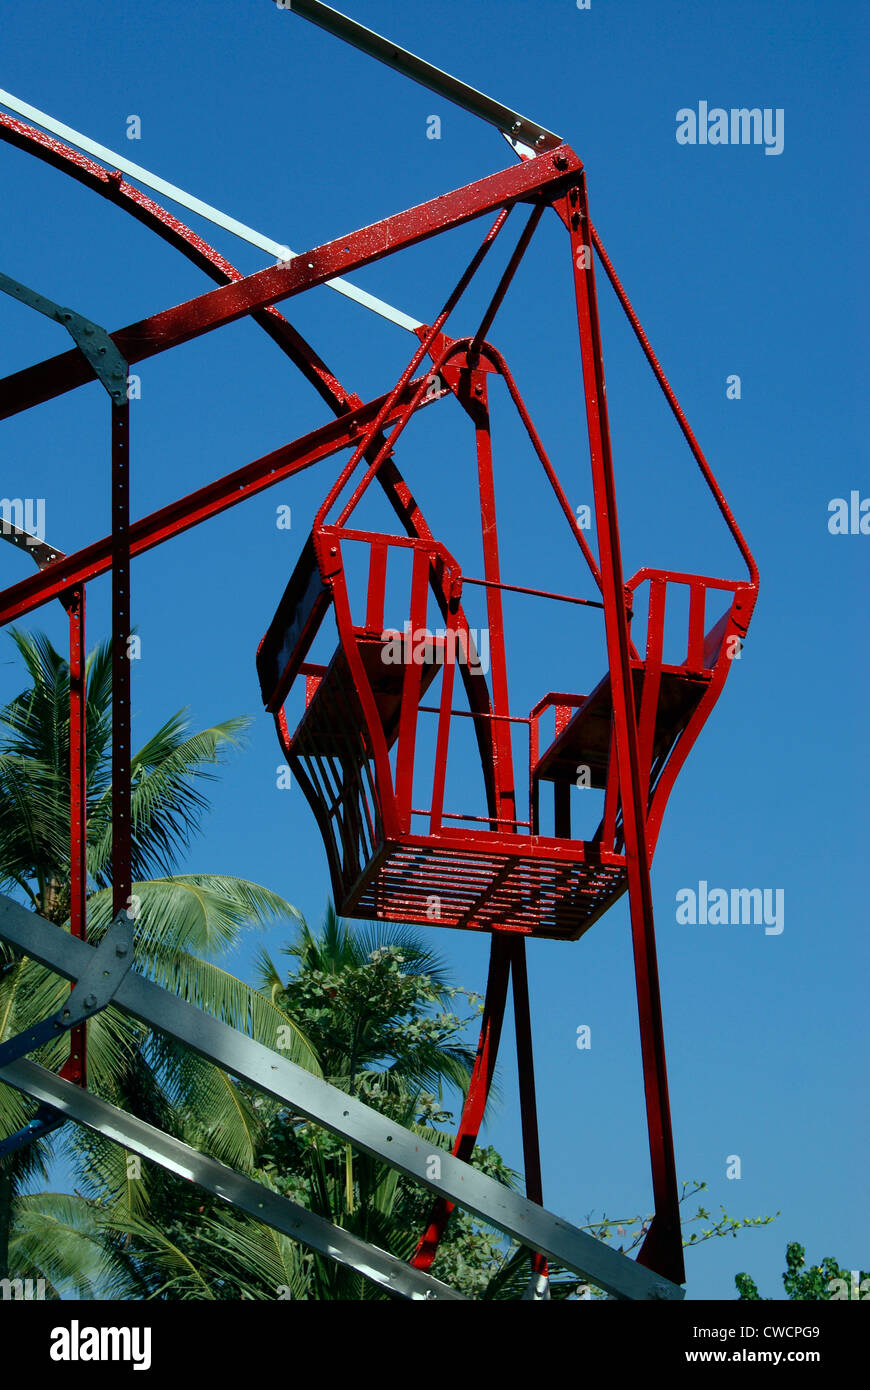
<point x="40" y="552"/>
<point x="228" y="491"/>
<point x="107" y="966"/>
<point x="518" y="128"/>
<point x="183" y="322"/>
<point x="241" y="1192"/>
<point x="515" y="1215"/>
<point x="187" y="200"/>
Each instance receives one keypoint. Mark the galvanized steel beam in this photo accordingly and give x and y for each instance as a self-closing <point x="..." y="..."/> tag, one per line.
<point x="515" y="1215"/>
<point x="241" y="1192"/>
<point x="518" y="128"/>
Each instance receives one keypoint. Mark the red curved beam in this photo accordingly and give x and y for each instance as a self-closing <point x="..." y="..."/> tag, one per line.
<point x="114" y="188"/>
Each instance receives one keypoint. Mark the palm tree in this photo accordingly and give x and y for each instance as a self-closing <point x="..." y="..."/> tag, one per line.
<point x="183" y="920"/>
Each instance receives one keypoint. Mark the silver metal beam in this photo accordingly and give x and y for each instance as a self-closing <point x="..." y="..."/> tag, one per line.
<point x="243" y="1193"/>
<point x="39" y="551"/>
<point x="187" y="200"/>
<point x="515" y="1215"/>
<point x="518" y="128"/>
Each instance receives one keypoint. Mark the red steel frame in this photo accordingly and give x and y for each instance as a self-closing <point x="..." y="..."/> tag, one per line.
<point x="552" y="179"/>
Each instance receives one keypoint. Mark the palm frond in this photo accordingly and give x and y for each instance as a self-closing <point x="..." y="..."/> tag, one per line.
<point x="181" y="1274"/>
<point x="166" y="805"/>
<point x="34" y="828"/>
<point x="212" y="1112"/>
<point x="59" y="1237"/>
<point x="206" y="914"/>
<point x="254" y="1260"/>
<point x="190" y="912"/>
<point x="267" y="975"/>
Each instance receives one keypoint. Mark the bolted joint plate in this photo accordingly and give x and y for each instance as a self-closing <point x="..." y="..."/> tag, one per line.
<point x="110" y="367"/>
<point x="102" y="974"/>
<point x="103" y="971"/>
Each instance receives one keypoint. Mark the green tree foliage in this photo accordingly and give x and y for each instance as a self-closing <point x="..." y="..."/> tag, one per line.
<point x="630" y="1230"/>
<point x="811" y="1283"/>
<point x="379" y="1009"/>
<point x="390" y="1029"/>
<point x="184" y="920"/>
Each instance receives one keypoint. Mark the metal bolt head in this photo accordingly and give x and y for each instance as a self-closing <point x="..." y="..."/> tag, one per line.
<point x="90" y="1001"/>
<point x="560" y="161"/>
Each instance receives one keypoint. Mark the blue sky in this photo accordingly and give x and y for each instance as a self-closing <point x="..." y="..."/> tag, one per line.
<point x="737" y="262"/>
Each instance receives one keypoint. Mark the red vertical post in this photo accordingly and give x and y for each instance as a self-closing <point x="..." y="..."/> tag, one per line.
<point x="448" y="672"/>
<point x="662" y="1250"/>
<point x="473" y="396"/>
<point x="121" y="872"/>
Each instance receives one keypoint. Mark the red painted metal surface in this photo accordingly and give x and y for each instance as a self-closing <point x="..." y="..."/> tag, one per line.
<point x="359" y="746"/>
<point x="478" y="1090"/>
<point x="526" y="1074"/>
<point x="184" y="322"/>
<point x="633" y="794"/>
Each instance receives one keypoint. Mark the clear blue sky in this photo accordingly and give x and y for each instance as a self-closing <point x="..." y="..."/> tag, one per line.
<point x="737" y="262"/>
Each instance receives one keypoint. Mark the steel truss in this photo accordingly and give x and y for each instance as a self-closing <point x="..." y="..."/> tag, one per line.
<point x="549" y="177"/>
